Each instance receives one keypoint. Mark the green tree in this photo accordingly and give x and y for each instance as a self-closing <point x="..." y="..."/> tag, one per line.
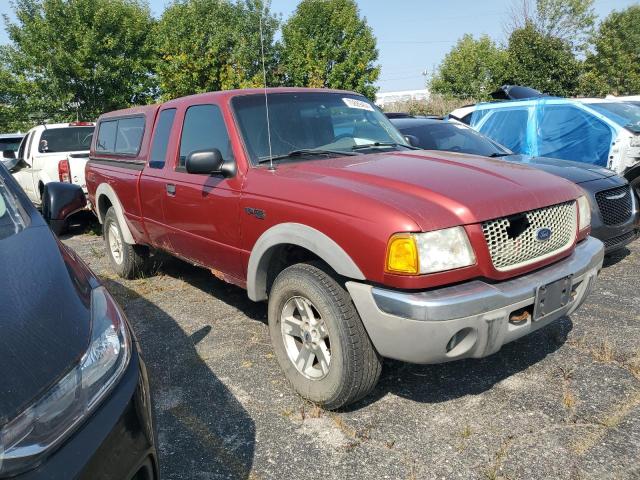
<point x="572" y="21"/>
<point x="326" y="43"/>
<point x="541" y="61"/>
<point x="615" y="66"/>
<point x="209" y="45"/>
<point x="79" y="56"/>
<point x="472" y="69"/>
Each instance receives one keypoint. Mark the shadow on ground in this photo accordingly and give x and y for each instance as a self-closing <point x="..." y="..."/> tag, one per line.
<point x="420" y="383"/>
<point x="616" y="257"/>
<point x="203" y="431"/>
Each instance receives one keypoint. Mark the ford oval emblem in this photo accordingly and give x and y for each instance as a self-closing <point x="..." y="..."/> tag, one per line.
<point x="543" y="234"/>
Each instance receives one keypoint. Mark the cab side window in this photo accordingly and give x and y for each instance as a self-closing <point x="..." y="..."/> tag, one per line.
<point x="204" y="129"/>
<point x="508" y="127"/>
<point x="161" y="138"/>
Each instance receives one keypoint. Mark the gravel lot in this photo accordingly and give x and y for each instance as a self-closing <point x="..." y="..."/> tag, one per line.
<point x="562" y="403"/>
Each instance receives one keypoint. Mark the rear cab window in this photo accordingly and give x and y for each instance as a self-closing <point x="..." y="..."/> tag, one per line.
<point x="68" y="139"/>
<point x="120" y="136"/>
<point x="161" y="137"/>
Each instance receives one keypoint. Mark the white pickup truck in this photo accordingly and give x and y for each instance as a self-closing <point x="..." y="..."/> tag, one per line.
<point x="52" y="153"/>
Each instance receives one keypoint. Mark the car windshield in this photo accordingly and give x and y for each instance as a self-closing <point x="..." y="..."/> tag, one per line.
<point x="11" y="220"/>
<point x="327" y="123"/>
<point x="625" y="114"/>
<point x="10" y="144"/>
<point x="453" y="137"/>
<point x="69" y="139"/>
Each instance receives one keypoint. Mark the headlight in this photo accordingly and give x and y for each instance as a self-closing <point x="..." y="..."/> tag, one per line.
<point x="584" y="213"/>
<point x="430" y="252"/>
<point x="39" y="428"/>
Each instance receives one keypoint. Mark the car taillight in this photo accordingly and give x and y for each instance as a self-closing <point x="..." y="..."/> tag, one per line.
<point x="81" y="124"/>
<point x="64" y="171"/>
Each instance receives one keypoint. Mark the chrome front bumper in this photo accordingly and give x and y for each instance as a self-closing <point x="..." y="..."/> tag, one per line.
<point x="418" y="327"/>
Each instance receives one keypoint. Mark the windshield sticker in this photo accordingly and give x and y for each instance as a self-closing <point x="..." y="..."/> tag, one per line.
<point x="353" y="103"/>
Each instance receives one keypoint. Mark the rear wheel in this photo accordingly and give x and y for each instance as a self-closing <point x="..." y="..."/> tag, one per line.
<point x="319" y="339"/>
<point x="127" y="260"/>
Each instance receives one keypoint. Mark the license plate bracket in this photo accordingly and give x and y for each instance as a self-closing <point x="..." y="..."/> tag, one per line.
<point x="552" y="296"/>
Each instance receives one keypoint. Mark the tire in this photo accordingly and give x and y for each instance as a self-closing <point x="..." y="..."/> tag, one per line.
<point x="334" y="326"/>
<point x="127" y="260"/>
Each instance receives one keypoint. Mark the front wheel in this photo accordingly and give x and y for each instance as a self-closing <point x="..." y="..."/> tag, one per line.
<point x="127" y="260"/>
<point x="319" y="339"/>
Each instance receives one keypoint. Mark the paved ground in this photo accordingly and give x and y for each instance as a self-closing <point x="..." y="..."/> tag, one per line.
<point x="563" y="403"/>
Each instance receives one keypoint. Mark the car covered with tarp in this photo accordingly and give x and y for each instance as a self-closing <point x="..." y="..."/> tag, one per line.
<point x="600" y="132"/>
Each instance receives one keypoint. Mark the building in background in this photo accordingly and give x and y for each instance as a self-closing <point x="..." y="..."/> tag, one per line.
<point x="387" y="98"/>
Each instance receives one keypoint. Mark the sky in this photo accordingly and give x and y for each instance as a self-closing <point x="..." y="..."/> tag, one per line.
<point x="413" y="35"/>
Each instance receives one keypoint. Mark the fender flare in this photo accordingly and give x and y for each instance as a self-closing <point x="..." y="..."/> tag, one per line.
<point x="106" y="190"/>
<point x="303" y="236"/>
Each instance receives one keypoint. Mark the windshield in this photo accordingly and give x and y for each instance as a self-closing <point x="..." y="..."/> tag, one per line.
<point x="11" y="221"/>
<point x="10" y="144"/>
<point x="452" y="137"/>
<point x="335" y="122"/>
<point x="625" y="114"/>
<point x="70" y="139"/>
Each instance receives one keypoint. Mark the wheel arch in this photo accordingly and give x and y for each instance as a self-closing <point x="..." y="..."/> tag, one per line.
<point x="106" y="197"/>
<point x="303" y="236"/>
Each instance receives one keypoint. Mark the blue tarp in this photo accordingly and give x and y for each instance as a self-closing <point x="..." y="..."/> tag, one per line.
<point x="547" y="127"/>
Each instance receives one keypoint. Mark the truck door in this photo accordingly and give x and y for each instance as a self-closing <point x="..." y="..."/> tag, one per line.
<point x="201" y="211"/>
<point x="23" y="172"/>
<point x="153" y="179"/>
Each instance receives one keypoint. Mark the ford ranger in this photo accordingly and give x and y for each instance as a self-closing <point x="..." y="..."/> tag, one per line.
<point x="363" y="246"/>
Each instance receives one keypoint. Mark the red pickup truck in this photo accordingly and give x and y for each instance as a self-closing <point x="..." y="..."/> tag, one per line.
<point x="363" y="246"/>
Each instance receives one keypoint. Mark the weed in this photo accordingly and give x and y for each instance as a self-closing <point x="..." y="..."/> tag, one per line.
<point x="604" y="352"/>
<point x="466" y="431"/>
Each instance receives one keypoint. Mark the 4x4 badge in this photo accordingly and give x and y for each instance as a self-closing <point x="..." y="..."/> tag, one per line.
<point x="256" y="212"/>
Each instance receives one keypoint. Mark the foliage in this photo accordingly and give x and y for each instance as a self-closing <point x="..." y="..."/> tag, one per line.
<point x="326" y="43"/>
<point x="209" y="45"/>
<point x="542" y="62"/>
<point x="435" y="105"/>
<point x="472" y="69"/>
<point x="95" y="53"/>
<point x="615" y="66"/>
<point x="569" y="20"/>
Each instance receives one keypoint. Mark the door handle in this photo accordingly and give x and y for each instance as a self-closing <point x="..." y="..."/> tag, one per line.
<point x="171" y="189"/>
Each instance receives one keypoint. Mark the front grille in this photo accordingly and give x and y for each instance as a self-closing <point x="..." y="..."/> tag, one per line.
<point x="513" y="241"/>
<point x="615" y="205"/>
<point x="624" y="238"/>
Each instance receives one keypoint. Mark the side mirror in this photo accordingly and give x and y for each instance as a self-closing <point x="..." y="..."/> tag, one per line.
<point x="412" y="140"/>
<point x="209" y="162"/>
<point x="59" y="201"/>
<point x="8" y="154"/>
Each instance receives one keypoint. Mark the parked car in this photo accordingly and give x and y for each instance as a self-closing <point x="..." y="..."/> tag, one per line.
<point x="594" y="131"/>
<point x="615" y="219"/>
<point x="74" y="401"/>
<point x="9" y="143"/>
<point x="52" y="153"/>
<point x="363" y="246"/>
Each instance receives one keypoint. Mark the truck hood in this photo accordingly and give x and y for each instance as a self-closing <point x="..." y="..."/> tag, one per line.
<point x="436" y="189"/>
<point x="575" y="172"/>
<point x="45" y="319"/>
